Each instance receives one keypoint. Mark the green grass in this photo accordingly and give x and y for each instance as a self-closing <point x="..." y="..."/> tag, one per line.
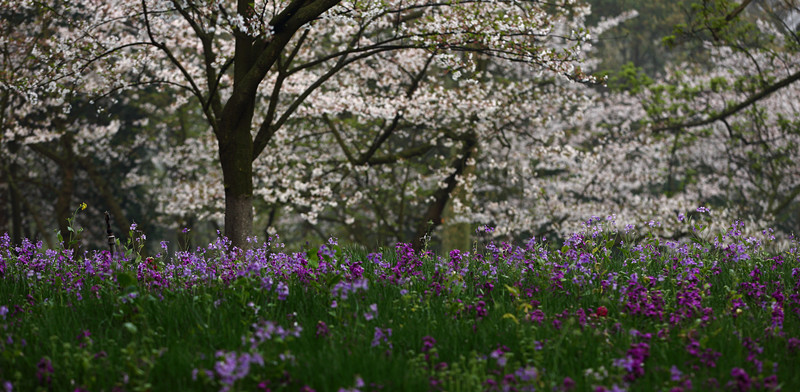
<point x="155" y="340"/>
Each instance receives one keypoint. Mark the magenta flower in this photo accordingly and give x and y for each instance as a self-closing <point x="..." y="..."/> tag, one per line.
<point x="44" y="371"/>
<point x="381" y="336"/>
<point x="322" y="329"/>
<point x="427" y="343"/>
<point x="372" y="313"/>
<point x="283" y="291"/>
<point x="741" y="379"/>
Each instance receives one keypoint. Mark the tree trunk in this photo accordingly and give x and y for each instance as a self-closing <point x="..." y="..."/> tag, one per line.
<point x="64" y="198"/>
<point x="118" y="216"/>
<point x="5" y="216"/>
<point x="433" y="217"/>
<point x="16" y="209"/>
<point x="14" y="196"/>
<point x="237" y="175"/>
<point x="456" y="235"/>
<point x="252" y="60"/>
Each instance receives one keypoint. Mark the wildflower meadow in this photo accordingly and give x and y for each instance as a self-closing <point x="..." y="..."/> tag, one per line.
<point x="607" y="309"/>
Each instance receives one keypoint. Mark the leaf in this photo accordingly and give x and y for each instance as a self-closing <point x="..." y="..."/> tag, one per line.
<point x="511" y="316"/>
<point x="315" y="285"/>
<point x="125" y="279"/>
<point x="333" y="279"/>
<point x="312" y="258"/>
<point x="130" y="327"/>
<point x="513" y="290"/>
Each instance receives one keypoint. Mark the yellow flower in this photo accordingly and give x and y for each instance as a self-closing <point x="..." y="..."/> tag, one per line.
<point x="83" y="206"/>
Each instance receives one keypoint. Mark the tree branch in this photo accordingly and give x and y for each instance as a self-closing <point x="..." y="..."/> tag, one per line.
<point x="339" y="139"/>
<point x="433" y="217"/>
<point x="174" y="60"/>
<point x="736" y="108"/>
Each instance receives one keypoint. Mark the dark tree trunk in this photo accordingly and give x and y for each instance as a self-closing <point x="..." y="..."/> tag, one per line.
<point x="64" y="198"/>
<point x="236" y="158"/>
<point x="13" y="193"/>
<point x="238" y="210"/>
<point x="5" y="216"/>
<point x="118" y="215"/>
<point x="20" y="204"/>
<point x="433" y="217"/>
<point x="16" y="209"/>
<point x="233" y="123"/>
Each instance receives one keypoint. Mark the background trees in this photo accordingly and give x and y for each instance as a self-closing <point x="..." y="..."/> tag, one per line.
<point x="380" y="122"/>
<point x="251" y="66"/>
<point x="731" y="118"/>
<point x="58" y="148"/>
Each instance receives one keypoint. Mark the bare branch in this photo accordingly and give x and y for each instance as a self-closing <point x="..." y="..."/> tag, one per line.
<point x="736" y="108"/>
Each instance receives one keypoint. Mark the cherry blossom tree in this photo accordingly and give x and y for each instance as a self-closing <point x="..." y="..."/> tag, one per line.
<point x="59" y="149"/>
<point x="735" y="116"/>
<point x="250" y="67"/>
<point x="719" y="131"/>
<point x="371" y="120"/>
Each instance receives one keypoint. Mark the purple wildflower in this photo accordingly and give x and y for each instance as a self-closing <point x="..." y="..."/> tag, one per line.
<point x="793" y="344"/>
<point x="568" y="384"/>
<point x="232" y="366"/>
<point x="381" y="335"/>
<point x="44" y="371"/>
<point x="427" y="343"/>
<point x="676" y="373"/>
<point x="741" y="379"/>
<point x="633" y="362"/>
<point x="283" y="291"/>
<point x="499" y="356"/>
<point x="372" y="313"/>
<point x="322" y="329"/>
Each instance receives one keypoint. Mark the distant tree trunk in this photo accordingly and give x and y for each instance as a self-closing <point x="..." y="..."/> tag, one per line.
<point x="19" y="204"/>
<point x="14" y="196"/>
<point x="253" y="58"/>
<point x="118" y="215"/>
<point x="456" y="235"/>
<point x="16" y="209"/>
<point x="63" y="208"/>
<point x="433" y="217"/>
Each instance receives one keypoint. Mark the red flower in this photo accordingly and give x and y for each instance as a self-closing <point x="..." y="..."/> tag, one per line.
<point x="601" y="311"/>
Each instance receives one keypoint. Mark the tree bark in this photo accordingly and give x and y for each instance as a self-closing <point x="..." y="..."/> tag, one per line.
<point x="253" y="58"/>
<point x="64" y="199"/>
<point x="456" y="235"/>
<point x="119" y="218"/>
<point x="21" y="204"/>
<point x="433" y="217"/>
<point x="5" y="216"/>
<point x="16" y="209"/>
<point x="237" y="173"/>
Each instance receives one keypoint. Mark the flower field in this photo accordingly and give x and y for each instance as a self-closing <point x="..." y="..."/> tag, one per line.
<point x="608" y="309"/>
